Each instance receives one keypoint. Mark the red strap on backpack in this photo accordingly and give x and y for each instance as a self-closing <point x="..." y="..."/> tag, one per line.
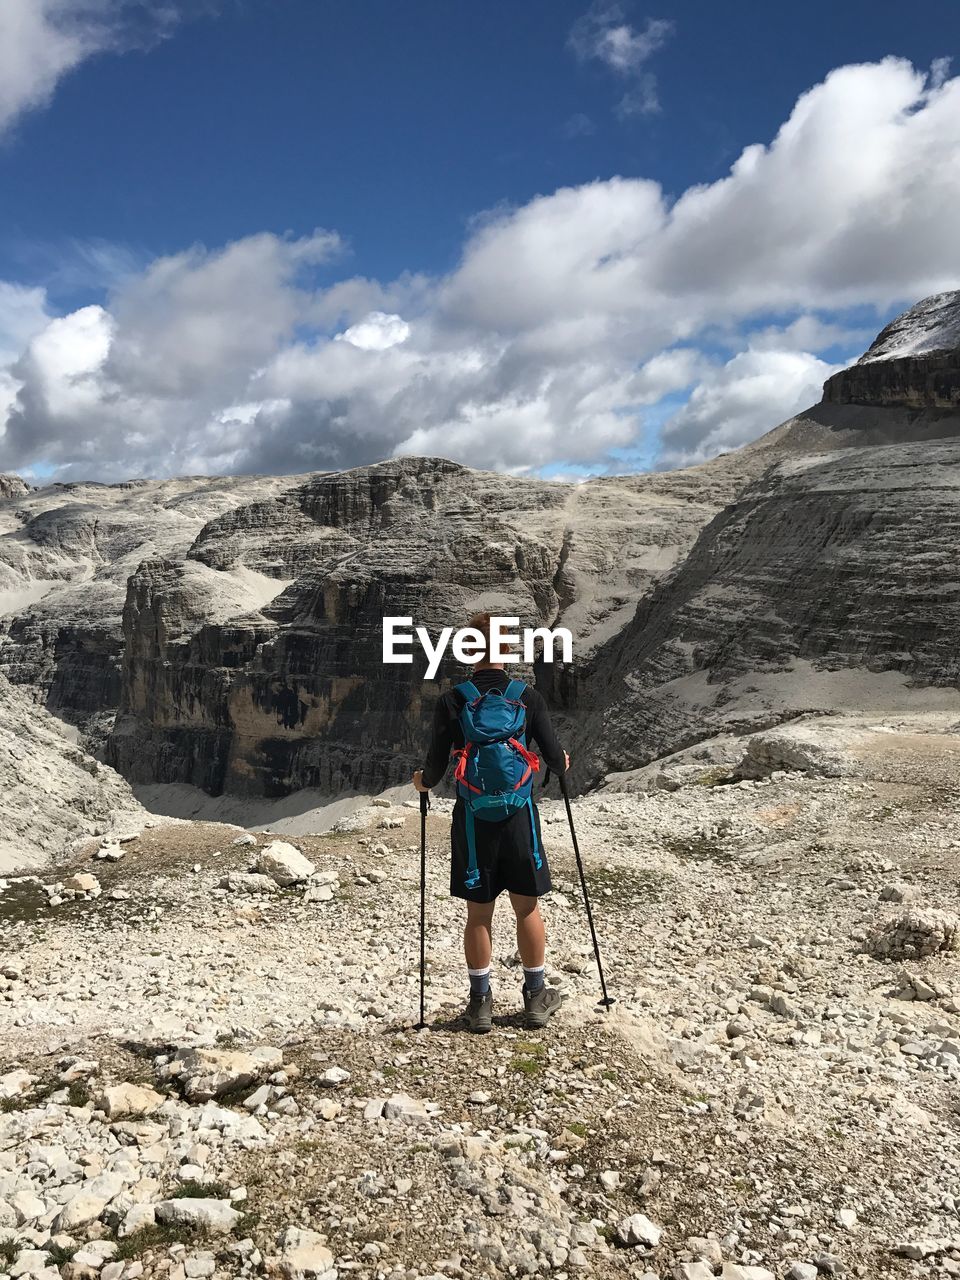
<point x="530" y="758"/>
<point x="460" y="772"/>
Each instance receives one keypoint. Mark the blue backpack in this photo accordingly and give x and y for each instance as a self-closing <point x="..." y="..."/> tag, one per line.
<point x="494" y="771"/>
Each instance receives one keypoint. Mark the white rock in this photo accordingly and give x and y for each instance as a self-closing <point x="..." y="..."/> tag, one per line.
<point x="638" y="1229"/>
<point x="303" y="1254"/>
<point x="284" y="863"/>
<point x="15" y="1083"/>
<point x="129" y="1100"/>
<point x="400" y="1106"/>
<point x="27" y="1206"/>
<point x="82" y="882"/>
<point x="33" y="1263"/>
<point x="80" y="1211"/>
<point x="212" y="1215"/>
<point x="199" y="1265"/>
<point x="208" y="1073"/>
<point x="137" y="1218"/>
<point x="332" y="1077"/>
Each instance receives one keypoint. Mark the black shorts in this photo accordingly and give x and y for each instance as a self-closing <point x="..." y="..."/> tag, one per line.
<point x="504" y="857"/>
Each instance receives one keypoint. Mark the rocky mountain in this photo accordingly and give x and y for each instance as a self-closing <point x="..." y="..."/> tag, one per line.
<point x="66" y="553"/>
<point x="914" y="362"/>
<point x="226" y="632"/>
<point x="254" y="663"/>
<point x="828" y="584"/>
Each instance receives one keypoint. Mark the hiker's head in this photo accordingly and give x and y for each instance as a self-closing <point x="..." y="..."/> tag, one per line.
<point x="482" y="624"/>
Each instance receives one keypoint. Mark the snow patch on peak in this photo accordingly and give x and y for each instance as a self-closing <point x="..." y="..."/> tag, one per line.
<point x="932" y="325"/>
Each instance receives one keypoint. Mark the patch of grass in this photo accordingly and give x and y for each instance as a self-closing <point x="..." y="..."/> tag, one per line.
<point x="235" y="1097"/>
<point x="608" y="1073"/>
<point x="8" y="1249"/>
<point x="526" y="1064"/>
<point x="59" y="1255"/>
<point x="78" y="1093"/>
<point x="531" y="1046"/>
<point x="193" y="1190"/>
<point x="389" y="1071"/>
<point x="160" y="1236"/>
<point x="17" y="1103"/>
<point x="578" y="1127"/>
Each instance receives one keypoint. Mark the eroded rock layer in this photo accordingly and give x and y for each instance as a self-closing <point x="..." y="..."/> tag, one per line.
<point x="830" y="583"/>
<point x="254" y="665"/>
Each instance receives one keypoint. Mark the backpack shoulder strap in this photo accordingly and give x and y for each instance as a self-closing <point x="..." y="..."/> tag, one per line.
<point x="468" y="690"/>
<point x="515" y="690"/>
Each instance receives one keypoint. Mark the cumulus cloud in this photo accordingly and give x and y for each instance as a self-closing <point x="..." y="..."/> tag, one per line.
<point x="23" y="313"/>
<point x="42" y="40"/>
<point x="568" y="324"/>
<point x="740" y="400"/>
<point x="602" y="34"/>
<point x="377" y="332"/>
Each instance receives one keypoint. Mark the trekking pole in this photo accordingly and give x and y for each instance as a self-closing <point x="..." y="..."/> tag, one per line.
<point x="607" y="1001"/>
<point x="424" y="806"/>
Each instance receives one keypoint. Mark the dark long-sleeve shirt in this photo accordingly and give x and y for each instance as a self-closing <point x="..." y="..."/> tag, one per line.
<point x="448" y="734"/>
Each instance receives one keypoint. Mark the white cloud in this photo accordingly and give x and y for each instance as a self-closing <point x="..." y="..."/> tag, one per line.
<point x="564" y="325"/>
<point x="741" y="400"/>
<point x="602" y="34"/>
<point x="23" y="313"/>
<point x="42" y="40"/>
<point x="377" y="332"/>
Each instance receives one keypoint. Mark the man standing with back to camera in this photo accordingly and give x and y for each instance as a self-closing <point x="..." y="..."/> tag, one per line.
<point x="505" y="854"/>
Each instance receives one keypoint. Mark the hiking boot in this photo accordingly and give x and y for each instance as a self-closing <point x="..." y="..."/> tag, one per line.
<point x="479" y="1013"/>
<point x="541" y="1006"/>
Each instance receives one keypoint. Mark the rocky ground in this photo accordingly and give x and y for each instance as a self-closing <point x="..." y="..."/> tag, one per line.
<point x="210" y="1068"/>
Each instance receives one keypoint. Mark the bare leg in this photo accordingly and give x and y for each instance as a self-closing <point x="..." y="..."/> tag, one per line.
<point x="531" y="936"/>
<point x="477" y="934"/>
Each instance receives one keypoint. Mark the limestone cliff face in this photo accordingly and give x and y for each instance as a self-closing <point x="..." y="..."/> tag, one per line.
<point x="51" y="792"/>
<point x="66" y="552"/>
<point x="254" y="665"/>
<point x="914" y="363"/>
<point x="831" y="583"/>
<point x="12" y="486"/>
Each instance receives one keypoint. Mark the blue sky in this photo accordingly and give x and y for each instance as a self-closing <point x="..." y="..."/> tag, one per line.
<point x="167" y="184"/>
